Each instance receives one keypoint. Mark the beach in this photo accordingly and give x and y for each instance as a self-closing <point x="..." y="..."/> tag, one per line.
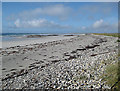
<point x="62" y="62"/>
<point x="27" y="48"/>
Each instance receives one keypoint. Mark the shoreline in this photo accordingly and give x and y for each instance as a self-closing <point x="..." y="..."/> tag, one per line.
<point x="27" y="41"/>
<point x="74" y="55"/>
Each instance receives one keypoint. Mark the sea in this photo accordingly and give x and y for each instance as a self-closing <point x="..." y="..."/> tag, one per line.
<point x="23" y="36"/>
<point x="17" y="36"/>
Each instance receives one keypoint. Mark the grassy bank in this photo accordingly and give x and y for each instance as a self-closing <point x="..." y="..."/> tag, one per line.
<point x="111" y="75"/>
<point x="109" y="34"/>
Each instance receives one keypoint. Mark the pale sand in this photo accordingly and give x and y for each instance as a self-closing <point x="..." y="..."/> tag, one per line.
<point x="15" y="61"/>
<point x="6" y="44"/>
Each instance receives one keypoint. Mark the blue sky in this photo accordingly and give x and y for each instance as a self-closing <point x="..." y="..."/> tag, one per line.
<point x="0" y="17"/>
<point x="78" y="17"/>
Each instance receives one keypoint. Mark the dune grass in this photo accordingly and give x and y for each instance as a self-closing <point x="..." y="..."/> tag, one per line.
<point x="112" y="75"/>
<point x="109" y="34"/>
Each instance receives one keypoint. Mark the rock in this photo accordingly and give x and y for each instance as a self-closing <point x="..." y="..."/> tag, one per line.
<point x="81" y="49"/>
<point x="92" y="46"/>
<point x="54" y="61"/>
<point x="74" y="51"/>
<point x="72" y="57"/>
<point x="100" y="40"/>
<point x="42" y="66"/>
<point x="34" y="36"/>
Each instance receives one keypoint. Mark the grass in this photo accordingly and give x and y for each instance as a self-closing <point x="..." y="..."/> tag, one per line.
<point x="109" y="34"/>
<point x="112" y="75"/>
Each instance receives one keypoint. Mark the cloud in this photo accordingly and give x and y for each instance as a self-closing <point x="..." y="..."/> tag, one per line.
<point x="60" y="11"/>
<point x="98" y="23"/>
<point x="38" y="23"/>
<point x="55" y="10"/>
<point x="100" y="26"/>
<point x="44" y="17"/>
<point x="17" y="23"/>
<point x="83" y="27"/>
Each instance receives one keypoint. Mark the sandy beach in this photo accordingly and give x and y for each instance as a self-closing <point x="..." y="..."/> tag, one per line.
<point x="58" y="58"/>
<point x="27" y="41"/>
<point x="28" y="49"/>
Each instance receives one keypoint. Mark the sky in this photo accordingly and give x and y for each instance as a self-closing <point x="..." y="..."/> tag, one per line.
<point x="0" y="17"/>
<point x="60" y="17"/>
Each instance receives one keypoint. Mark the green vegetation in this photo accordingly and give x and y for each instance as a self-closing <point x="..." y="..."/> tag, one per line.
<point x="109" y="34"/>
<point x="112" y="75"/>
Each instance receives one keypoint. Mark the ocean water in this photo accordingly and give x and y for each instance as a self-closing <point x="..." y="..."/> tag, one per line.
<point x="16" y="36"/>
<point x="23" y="36"/>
